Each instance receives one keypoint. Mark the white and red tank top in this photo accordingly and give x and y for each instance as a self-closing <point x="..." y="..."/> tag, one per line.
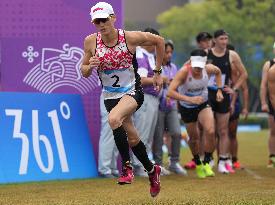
<point x="116" y="71"/>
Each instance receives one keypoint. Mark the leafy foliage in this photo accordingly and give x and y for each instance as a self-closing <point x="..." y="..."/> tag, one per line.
<point x="250" y="24"/>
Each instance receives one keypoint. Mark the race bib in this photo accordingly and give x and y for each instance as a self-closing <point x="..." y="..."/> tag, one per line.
<point x="212" y="81"/>
<point x="119" y="81"/>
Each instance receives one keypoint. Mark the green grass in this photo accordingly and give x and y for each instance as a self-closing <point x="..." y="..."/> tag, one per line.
<point x="256" y="186"/>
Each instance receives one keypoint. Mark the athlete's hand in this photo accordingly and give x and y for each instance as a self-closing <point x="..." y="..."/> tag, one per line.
<point x="157" y="82"/>
<point x="219" y="96"/>
<point x="228" y="90"/>
<point x="197" y="100"/>
<point x="265" y="108"/>
<point x="94" y="61"/>
<point x="245" y="113"/>
<point x="232" y="108"/>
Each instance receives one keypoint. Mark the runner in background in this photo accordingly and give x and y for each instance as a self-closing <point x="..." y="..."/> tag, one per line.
<point x="225" y="60"/>
<point x="204" y="41"/>
<point x="235" y="114"/>
<point x="190" y="88"/>
<point x="268" y="104"/>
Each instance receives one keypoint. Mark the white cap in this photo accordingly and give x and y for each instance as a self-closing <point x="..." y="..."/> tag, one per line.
<point x="101" y="10"/>
<point x="198" y="61"/>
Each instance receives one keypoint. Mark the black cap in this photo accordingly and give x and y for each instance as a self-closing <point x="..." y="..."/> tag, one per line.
<point x="220" y="32"/>
<point x="151" y="30"/>
<point x="203" y="36"/>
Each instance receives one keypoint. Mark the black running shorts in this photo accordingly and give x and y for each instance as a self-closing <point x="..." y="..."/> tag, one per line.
<point x="189" y="115"/>
<point x="271" y="110"/>
<point x="219" y="107"/>
<point x="138" y="95"/>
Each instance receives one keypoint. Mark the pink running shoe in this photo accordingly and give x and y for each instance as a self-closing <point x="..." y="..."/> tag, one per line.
<point x="229" y="168"/>
<point x="190" y="165"/>
<point x="127" y="175"/>
<point x="154" y="179"/>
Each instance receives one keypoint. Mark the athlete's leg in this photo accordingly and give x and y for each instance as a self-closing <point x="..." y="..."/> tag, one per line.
<point x="192" y="130"/>
<point x="145" y="120"/>
<point x="271" y="88"/>
<point x="202" y="140"/>
<point x="206" y="119"/>
<point x="271" y="140"/>
<point x="124" y="108"/>
<point x="222" y="122"/>
<point x="136" y="144"/>
<point x="107" y="155"/>
<point x="233" y="125"/>
<point x="271" y="85"/>
<point x="118" y="111"/>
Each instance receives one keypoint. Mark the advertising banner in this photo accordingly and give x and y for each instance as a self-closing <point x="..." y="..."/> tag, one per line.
<point x="41" y="50"/>
<point x="44" y="137"/>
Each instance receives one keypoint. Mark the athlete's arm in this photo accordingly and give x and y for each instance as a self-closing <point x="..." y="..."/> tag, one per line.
<point x="88" y="62"/>
<point x="263" y="88"/>
<point x="212" y="69"/>
<point x="178" y="80"/>
<point x="244" y="88"/>
<point x="138" y="38"/>
<point x="237" y="63"/>
<point x="271" y="85"/>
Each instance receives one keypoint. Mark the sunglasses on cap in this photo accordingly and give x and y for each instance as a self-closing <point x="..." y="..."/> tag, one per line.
<point x="103" y="20"/>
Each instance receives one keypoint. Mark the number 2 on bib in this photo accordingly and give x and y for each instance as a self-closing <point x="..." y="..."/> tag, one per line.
<point x="116" y="85"/>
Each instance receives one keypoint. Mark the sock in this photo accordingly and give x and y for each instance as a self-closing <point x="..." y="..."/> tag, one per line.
<point x="140" y="152"/>
<point x="223" y="157"/>
<point x="207" y="157"/>
<point x="234" y="159"/>
<point x="121" y="141"/>
<point x="197" y="159"/>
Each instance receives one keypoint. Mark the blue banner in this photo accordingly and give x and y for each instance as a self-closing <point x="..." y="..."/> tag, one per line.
<point x="44" y="137"/>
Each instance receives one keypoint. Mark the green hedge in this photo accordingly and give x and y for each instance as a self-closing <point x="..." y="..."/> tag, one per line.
<point x="255" y="119"/>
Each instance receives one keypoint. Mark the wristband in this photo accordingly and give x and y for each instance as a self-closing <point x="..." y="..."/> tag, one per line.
<point x="235" y="90"/>
<point x="158" y="71"/>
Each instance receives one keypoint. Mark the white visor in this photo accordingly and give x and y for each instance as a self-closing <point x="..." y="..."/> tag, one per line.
<point x="198" y="61"/>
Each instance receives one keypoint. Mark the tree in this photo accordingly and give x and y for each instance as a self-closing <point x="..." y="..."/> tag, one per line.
<point x="250" y="24"/>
